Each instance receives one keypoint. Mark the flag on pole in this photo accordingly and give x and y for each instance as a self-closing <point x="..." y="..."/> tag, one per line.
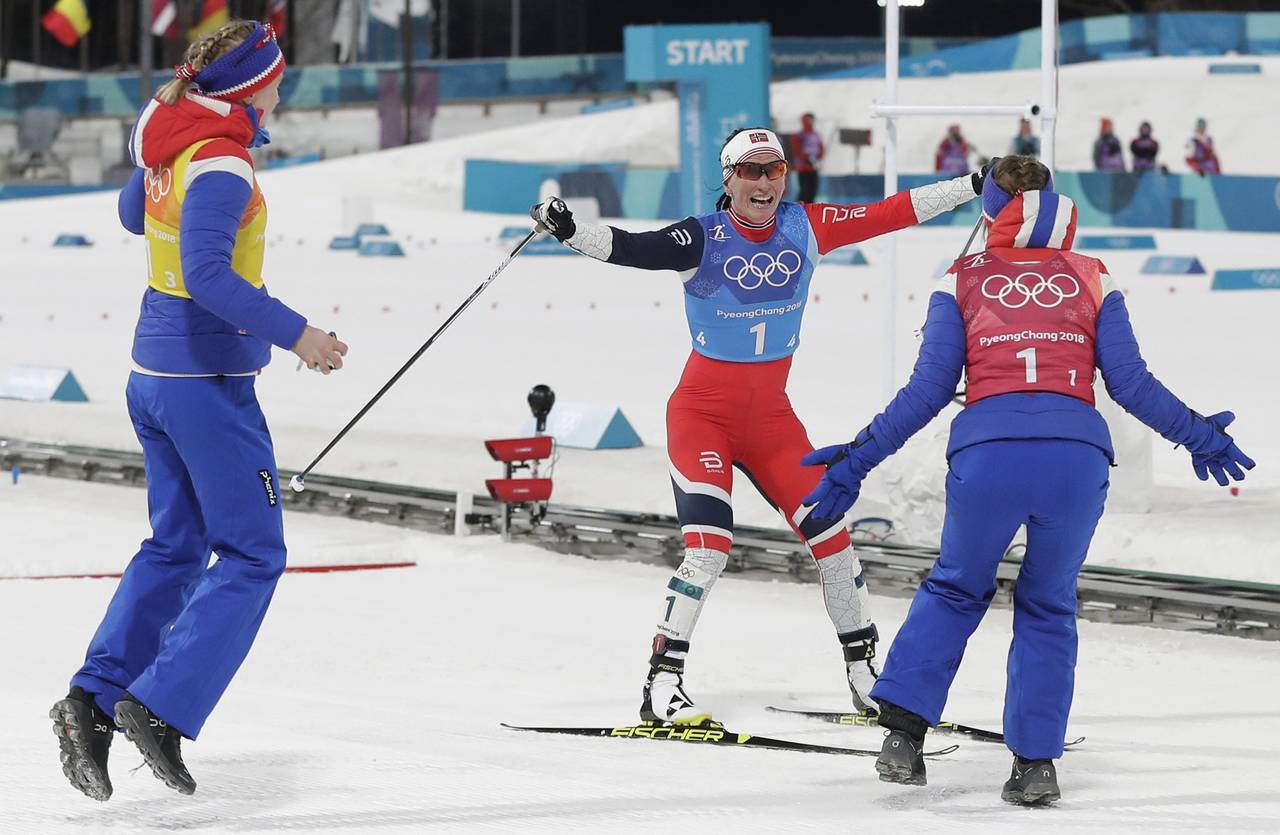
<point x="210" y="15"/>
<point x="276" y="16"/>
<point x="213" y="13"/>
<point x="164" y="18"/>
<point x="67" y="21"/>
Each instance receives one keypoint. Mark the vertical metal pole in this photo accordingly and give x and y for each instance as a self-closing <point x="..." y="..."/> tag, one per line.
<point x="35" y="36"/>
<point x="4" y="40"/>
<point x="353" y="55"/>
<point x="145" y="57"/>
<point x="892" y="31"/>
<point x="515" y="28"/>
<point x="1048" y="79"/>
<point x="406" y="45"/>
<point x="444" y="28"/>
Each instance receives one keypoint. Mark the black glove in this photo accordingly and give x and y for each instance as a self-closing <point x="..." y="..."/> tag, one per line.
<point x="980" y="176"/>
<point x="554" y="218"/>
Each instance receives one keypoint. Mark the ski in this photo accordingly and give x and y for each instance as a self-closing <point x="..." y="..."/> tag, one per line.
<point x="709" y="733"/>
<point x="871" y="720"/>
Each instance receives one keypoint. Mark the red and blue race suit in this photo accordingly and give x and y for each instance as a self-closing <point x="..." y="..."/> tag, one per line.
<point x="746" y="288"/>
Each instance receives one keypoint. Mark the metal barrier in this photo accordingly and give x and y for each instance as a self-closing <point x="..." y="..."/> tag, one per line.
<point x="1113" y="595"/>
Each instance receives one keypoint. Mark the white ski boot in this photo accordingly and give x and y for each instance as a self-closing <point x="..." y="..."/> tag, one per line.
<point x="860" y="663"/>
<point x="665" y="699"/>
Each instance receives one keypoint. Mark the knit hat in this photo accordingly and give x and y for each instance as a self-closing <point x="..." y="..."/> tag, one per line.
<point x="253" y="64"/>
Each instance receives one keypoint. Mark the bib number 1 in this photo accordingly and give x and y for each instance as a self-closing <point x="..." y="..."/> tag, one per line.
<point x="758" y="330"/>
<point x="1028" y="356"/>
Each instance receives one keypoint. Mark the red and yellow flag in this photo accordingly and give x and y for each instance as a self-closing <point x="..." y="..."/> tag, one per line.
<point x="213" y="13"/>
<point x="67" y="21"/>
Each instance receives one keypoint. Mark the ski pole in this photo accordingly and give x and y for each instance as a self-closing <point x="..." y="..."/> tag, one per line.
<point x="298" y="482"/>
<point x="972" y="235"/>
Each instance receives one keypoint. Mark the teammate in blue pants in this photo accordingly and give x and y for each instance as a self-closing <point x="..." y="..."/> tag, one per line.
<point x="178" y="628"/>
<point x="1029" y="321"/>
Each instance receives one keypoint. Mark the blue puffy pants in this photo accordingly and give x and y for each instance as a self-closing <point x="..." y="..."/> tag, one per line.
<point x="178" y="628"/>
<point x="1057" y="489"/>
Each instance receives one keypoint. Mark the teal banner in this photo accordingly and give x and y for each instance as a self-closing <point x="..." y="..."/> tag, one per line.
<point x="1103" y="199"/>
<point x="722" y="75"/>
<point x="1247" y="279"/>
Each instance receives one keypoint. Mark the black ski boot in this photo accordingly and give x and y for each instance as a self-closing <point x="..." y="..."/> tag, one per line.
<point x="901" y="757"/>
<point x="1032" y="783"/>
<point x="84" y="736"/>
<point x="160" y="744"/>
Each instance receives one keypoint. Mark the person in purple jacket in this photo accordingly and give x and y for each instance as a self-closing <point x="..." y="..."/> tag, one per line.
<point x="178" y="628"/>
<point x="1028" y="322"/>
<point x="1108" y="154"/>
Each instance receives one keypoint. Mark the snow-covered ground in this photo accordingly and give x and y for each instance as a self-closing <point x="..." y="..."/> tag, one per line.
<point x="371" y="703"/>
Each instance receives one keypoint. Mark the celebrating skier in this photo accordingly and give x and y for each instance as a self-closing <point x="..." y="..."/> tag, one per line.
<point x="1028" y="321"/>
<point x="746" y="270"/>
<point x="177" y="628"/>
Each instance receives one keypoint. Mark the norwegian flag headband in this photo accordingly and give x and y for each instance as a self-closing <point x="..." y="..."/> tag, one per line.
<point x="252" y="65"/>
<point x="749" y="144"/>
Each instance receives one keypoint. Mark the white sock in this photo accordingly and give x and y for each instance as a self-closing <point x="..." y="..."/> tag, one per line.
<point x="845" y="592"/>
<point x="688" y="590"/>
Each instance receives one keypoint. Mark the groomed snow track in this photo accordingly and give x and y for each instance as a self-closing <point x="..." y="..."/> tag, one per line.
<point x="1106" y="594"/>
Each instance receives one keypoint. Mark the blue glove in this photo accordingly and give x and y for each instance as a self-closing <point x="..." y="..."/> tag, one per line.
<point x="1221" y="457"/>
<point x="840" y="486"/>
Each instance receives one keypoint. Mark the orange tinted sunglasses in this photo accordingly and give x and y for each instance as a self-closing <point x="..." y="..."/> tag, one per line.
<point x="755" y="170"/>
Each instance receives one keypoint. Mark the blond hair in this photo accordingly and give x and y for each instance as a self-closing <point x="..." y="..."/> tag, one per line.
<point x="203" y="52"/>
<point x="1017" y="173"/>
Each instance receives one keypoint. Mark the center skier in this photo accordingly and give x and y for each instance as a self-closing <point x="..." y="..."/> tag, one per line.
<point x="746" y="269"/>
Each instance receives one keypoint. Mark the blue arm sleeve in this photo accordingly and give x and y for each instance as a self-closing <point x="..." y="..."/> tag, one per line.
<point x="932" y="385"/>
<point x="211" y="216"/>
<point x="1136" y="389"/>
<point x="132" y="202"/>
<point x="677" y="247"/>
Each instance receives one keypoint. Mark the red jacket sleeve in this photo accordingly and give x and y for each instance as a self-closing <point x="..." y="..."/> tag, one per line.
<point x="836" y="226"/>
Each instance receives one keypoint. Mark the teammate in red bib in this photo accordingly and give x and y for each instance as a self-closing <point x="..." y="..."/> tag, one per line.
<point x="1028" y="321"/>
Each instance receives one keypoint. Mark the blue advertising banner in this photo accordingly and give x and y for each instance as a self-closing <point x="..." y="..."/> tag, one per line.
<point x="722" y="75"/>
<point x="1246" y="279"/>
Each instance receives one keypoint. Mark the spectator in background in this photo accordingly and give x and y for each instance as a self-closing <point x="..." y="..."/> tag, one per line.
<point x="1024" y="144"/>
<point x="806" y="150"/>
<point x="1107" y="153"/>
<point x="953" y="154"/>
<point x="1201" y="156"/>
<point x="1144" y="149"/>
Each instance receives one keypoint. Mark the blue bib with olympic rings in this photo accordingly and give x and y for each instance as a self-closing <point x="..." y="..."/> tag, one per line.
<point x="745" y="300"/>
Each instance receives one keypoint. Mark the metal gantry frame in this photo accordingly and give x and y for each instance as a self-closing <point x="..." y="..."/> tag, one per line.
<point x="890" y="110"/>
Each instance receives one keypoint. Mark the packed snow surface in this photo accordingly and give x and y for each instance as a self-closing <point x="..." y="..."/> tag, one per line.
<point x="372" y="701"/>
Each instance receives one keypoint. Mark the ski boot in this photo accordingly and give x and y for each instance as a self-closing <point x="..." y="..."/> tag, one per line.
<point x="901" y="757"/>
<point x="84" y="738"/>
<point x="665" y="699"/>
<point x="1032" y="783"/>
<point x="860" y="664"/>
<point x="160" y="744"/>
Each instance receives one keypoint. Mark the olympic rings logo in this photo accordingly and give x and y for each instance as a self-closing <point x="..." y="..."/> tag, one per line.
<point x="762" y="270"/>
<point x="1046" y="292"/>
<point x="158" y="181"/>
